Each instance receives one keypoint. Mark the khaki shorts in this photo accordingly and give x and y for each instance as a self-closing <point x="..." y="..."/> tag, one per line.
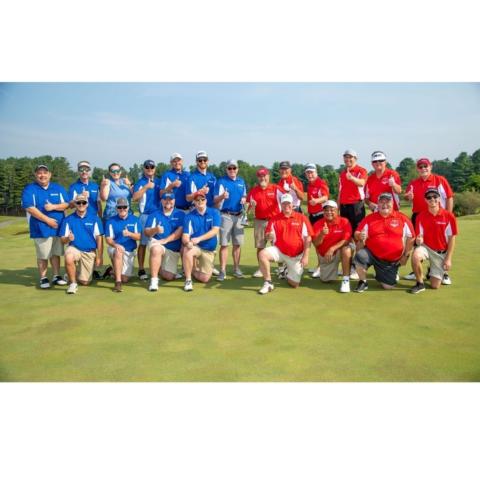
<point x="128" y="259"/>
<point x="205" y="259"/>
<point x="294" y="264"/>
<point x="169" y="257"/>
<point x="436" y="260"/>
<point x="48" y="247"/>
<point x="231" y="229"/>
<point x="328" y="270"/>
<point x="85" y="262"/>
<point x="259" y="232"/>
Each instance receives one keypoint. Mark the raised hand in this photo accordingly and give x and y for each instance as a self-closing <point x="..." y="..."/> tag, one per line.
<point x="391" y="181"/>
<point x="349" y="176"/>
<point x="176" y="183"/>
<point x="105" y="181"/>
<point x="226" y="194"/>
<point x="126" y="232"/>
<point x="419" y="239"/>
<point x="150" y="184"/>
<point x="363" y="236"/>
<point x="127" y="181"/>
<point x="49" y="206"/>
<point x="325" y="229"/>
<point x="71" y="236"/>
<point x="85" y="193"/>
<point x="160" y="229"/>
<point x="409" y="194"/>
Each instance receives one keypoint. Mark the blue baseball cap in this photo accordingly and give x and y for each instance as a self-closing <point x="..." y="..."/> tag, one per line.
<point x="167" y="195"/>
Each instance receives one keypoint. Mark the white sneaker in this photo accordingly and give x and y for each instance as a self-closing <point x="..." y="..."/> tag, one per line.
<point x="316" y="273"/>
<point x="446" y="280"/>
<point x="72" y="288"/>
<point x="215" y="272"/>
<point x="153" y="287"/>
<point x="188" y="287"/>
<point x="238" y="273"/>
<point x="397" y="278"/>
<point x="267" y="287"/>
<point x="353" y="274"/>
<point x="257" y="274"/>
<point x="410" y="276"/>
<point x="44" y="283"/>
<point x="345" y="286"/>
<point x="58" y="280"/>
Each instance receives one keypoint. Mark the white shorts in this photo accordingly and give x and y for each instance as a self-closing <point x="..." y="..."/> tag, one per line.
<point x="128" y="259"/>
<point x="294" y="264"/>
<point x="48" y="247"/>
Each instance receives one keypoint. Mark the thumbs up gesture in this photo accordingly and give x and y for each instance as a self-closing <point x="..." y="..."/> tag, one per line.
<point x="325" y="229"/>
<point x="286" y="186"/>
<point x="85" y="193"/>
<point x="127" y="181"/>
<point x="49" y="206"/>
<point x="126" y="232"/>
<point x="71" y="236"/>
<point x="226" y="194"/>
<point x="391" y="181"/>
<point x="105" y="181"/>
<point x="409" y="194"/>
<point x="160" y="229"/>
<point x="363" y="235"/>
<point x="349" y="175"/>
<point x="176" y="183"/>
<point x="419" y="239"/>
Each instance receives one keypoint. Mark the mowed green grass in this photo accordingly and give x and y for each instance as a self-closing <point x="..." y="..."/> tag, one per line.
<point x="227" y="332"/>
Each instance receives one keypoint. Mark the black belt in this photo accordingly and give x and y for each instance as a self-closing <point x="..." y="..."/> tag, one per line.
<point x="316" y="214"/>
<point x="236" y="214"/>
<point x="441" y="252"/>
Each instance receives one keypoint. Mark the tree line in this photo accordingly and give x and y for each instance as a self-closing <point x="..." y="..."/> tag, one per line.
<point x="463" y="174"/>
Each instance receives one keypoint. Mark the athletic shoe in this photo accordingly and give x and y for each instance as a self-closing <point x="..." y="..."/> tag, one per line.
<point x="238" y="273"/>
<point x="282" y="272"/>
<point x="118" y="287"/>
<point x="419" y="287"/>
<point x="345" y="286"/>
<point x="221" y="276"/>
<point x="410" y="276"/>
<point x="153" y="287"/>
<point x="96" y="275"/>
<point x="44" y="283"/>
<point x="188" y="287"/>
<point x="142" y="274"/>
<point x="108" y="273"/>
<point x="361" y="287"/>
<point x="72" y="288"/>
<point x="353" y="274"/>
<point x="58" y="280"/>
<point x="267" y="287"/>
<point x="215" y="272"/>
<point x="446" y="280"/>
<point x="316" y="273"/>
<point x="397" y="277"/>
<point x="257" y="274"/>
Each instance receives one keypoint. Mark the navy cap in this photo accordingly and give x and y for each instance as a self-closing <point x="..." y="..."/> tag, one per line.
<point x="148" y="163"/>
<point x="432" y="190"/>
<point x="167" y="195"/>
<point x="39" y="167"/>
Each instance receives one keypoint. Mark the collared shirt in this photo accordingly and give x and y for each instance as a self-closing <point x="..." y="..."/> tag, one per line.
<point x="91" y="187"/>
<point x="150" y="200"/>
<point x="339" y="229"/>
<point x="116" y="192"/>
<point x="115" y="227"/>
<point x="284" y="186"/>
<point x="436" y="229"/>
<point x="170" y="224"/>
<point x="180" y="192"/>
<point x="386" y="235"/>
<point x="197" y="225"/>
<point x="85" y="231"/>
<point x="34" y="195"/>
<point x="266" y="201"/>
<point x="236" y="191"/>
<point x="289" y="232"/>
<point x="198" y="180"/>
<point x="350" y="192"/>
<point x="375" y="186"/>
<point x="419" y="186"/>
<point x="316" y="189"/>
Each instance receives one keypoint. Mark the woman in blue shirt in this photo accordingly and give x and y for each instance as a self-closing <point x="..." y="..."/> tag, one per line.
<point x="113" y="188"/>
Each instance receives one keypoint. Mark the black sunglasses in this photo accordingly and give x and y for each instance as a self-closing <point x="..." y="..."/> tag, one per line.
<point x="150" y="167"/>
<point x="429" y="197"/>
<point x="80" y="203"/>
<point x="231" y="168"/>
<point x="115" y="171"/>
<point x="122" y="207"/>
<point x="84" y="169"/>
<point x="378" y="161"/>
<point x="202" y="160"/>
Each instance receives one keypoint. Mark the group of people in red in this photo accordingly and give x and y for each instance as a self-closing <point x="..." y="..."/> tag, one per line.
<point x="344" y="235"/>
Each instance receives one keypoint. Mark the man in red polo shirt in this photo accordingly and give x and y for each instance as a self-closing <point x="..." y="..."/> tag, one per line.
<point x="262" y="199"/>
<point x="436" y="229"/>
<point x="331" y="236"/>
<point x="415" y="193"/>
<point x="288" y="183"/>
<point x="291" y="235"/>
<point x="387" y="236"/>
<point x="382" y="179"/>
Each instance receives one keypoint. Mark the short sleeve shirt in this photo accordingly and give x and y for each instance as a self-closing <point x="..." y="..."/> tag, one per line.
<point x="236" y="189"/>
<point x="115" y="227"/>
<point x="284" y="187"/>
<point x="349" y="192"/>
<point x="198" y="180"/>
<point x="85" y="231"/>
<point x="375" y="186"/>
<point x="196" y="225"/>
<point x="266" y="201"/>
<point x="180" y="192"/>
<point x="150" y="200"/>
<point x="116" y="191"/>
<point x="339" y="229"/>
<point x="91" y="187"/>
<point x="419" y="186"/>
<point x="436" y="229"/>
<point x="316" y="189"/>
<point x="170" y="224"/>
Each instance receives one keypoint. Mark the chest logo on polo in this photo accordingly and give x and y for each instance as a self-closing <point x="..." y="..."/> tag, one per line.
<point x="394" y="223"/>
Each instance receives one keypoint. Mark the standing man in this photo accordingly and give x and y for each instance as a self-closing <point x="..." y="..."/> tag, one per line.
<point x="176" y="181"/>
<point x="164" y="227"/>
<point x="121" y="234"/>
<point x="331" y="237"/>
<point x="436" y="229"/>
<point x="262" y="199"/>
<point x="83" y="233"/>
<point x="230" y="196"/>
<point x="415" y="193"/>
<point x="147" y="193"/>
<point x="387" y="236"/>
<point x="290" y="184"/>
<point x="202" y="180"/>
<point x="200" y="230"/>
<point x="45" y="203"/>
<point x="382" y="180"/>
<point x="291" y="235"/>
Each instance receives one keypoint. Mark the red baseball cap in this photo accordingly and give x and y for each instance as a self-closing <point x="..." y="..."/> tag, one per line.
<point x="261" y="172"/>
<point x="423" y="161"/>
<point x="199" y="194"/>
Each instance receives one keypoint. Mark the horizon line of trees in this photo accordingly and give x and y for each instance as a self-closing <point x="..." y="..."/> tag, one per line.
<point x="463" y="174"/>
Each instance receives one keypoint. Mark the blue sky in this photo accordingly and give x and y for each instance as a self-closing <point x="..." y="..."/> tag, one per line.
<point x="257" y="122"/>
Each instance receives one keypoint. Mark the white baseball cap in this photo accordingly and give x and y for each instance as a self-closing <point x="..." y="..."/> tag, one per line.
<point x="286" y="197"/>
<point x="378" y="155"/>
<point x="201" y="154"/>
<point x="232" y="162"/>
<point x="330" y="203"/>
<point x="310" y="167"/>
<point x="351" y="152"/>
<point x="175" y="155"/>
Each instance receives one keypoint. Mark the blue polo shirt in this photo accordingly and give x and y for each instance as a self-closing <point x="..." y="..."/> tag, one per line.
<point x="170" y="223"/>
<point x="198" y="180"/>
<point x="34" y="195"/>
<point x="150" y="200"/>
<point x="115" y="227"/>
<point x="180" y="192"/>
<point x="93" y="190"/>
<point x="85" y="230"/>
<point x="236" y="190"/>
<point x="116" y="192"/>
<point x="196" y="225"/>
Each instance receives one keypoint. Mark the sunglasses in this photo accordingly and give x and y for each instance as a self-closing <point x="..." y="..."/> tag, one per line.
<point x="115" y="171"/>
<point x="122" y="207"/>
<point x="422" y="166"/>
<point x="378" y="161"/>
<point x="231" y="168"/>
<point x="149" y="167"/>
<point x="84" y="169"/>
<point x="201" y="160"/>
<point x="80" y="203"/>
<point x="430" y="197"/>
<point x="200" y="199"/>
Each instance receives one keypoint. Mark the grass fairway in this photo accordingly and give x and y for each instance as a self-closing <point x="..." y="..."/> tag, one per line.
<point x="227" y="332"/>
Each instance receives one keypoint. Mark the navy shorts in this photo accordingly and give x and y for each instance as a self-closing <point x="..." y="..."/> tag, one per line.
<point x="385" y="272"/>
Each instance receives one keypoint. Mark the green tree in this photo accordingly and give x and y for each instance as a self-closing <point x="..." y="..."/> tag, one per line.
<point x="407" y="169"/>
<point x="462" y="169"/>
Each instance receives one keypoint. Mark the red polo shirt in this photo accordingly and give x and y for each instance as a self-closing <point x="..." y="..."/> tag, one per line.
<point x="267" y="204"/>
<point x="375" y="186"/>
<point x="282" y="188"/>
<point x="338" y="229"/>
<point x="348" y="191"/>
<point x="419" y="186"/>
<point x="386" y="235"/>
<point x="436" y="229"/>
<point x="289" y="232"/>
<point x="318" y="188"/>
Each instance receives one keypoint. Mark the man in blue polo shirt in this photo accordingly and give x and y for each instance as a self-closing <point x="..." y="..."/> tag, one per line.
<point x="85" y="186"/>
<point x="164" y="227"/>
<point x="201" y="180"/>
<point x="230" y="196"/>
<point x="121" y="234"/>
<point x="45" y="203"/>
<point x="200" y="230"/>
<point x="176" y="181"/>
<point x="83" y="233"/>
<point x="147" y="193"/>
